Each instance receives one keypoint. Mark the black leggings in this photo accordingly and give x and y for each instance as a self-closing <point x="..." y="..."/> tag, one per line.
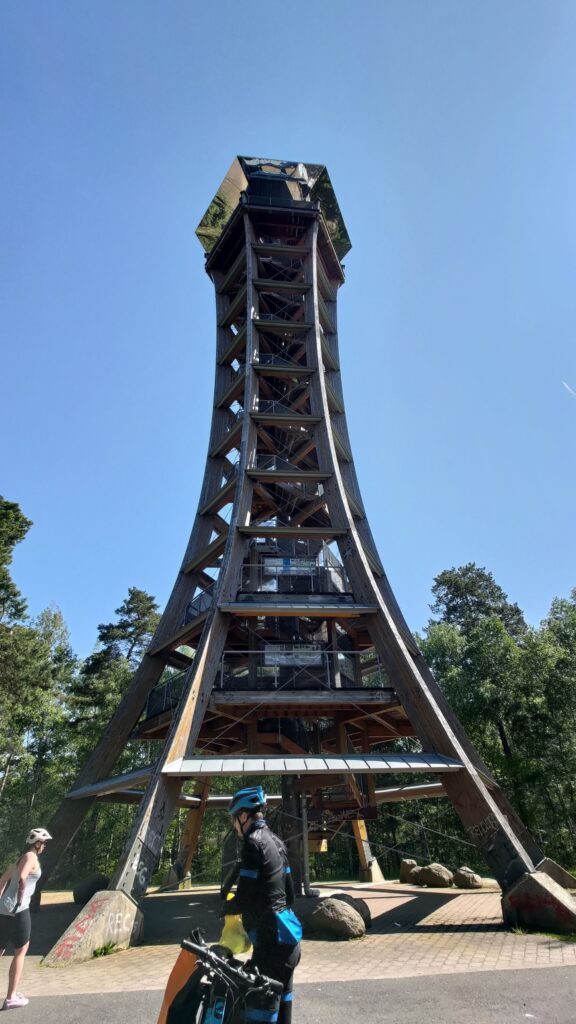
<point x="15" y="929"/>
<point x="277" y="961"/>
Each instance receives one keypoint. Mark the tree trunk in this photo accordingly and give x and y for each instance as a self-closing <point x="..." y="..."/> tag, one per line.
<point x="6" y="773"/>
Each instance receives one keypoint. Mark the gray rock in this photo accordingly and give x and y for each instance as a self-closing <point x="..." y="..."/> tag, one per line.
<point x="436" y="876"/>
<point x="329" y="918"/>
<point x="360" y="905"/>
<point x="84" y="890"/>
<point x="464" y="878"/>
<point x="405" y="869"/>
<point x="414" y="876"/>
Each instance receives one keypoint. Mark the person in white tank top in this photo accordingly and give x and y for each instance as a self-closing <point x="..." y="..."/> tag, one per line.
<point x="17" y="886"/>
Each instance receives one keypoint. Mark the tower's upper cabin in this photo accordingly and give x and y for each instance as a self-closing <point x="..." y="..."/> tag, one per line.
<point x="274" y="183"/>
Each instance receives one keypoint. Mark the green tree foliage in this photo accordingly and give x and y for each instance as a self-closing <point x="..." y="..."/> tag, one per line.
<point x="129" y="636"/>
<point x="106" y="673"/>
<point x="36" y="665"/>
<point x="465" y="596"/>
<point x="13" y="528"/>
<point x="92" y="698"/>
<point x="36" y="668"/>
<point x="514" y="689"/>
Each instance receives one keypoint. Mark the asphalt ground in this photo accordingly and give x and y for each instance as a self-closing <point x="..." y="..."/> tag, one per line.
<point x="529" y="996"/>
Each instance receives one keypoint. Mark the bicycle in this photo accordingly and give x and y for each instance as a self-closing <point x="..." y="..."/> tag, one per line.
<point x="221" y="990"/>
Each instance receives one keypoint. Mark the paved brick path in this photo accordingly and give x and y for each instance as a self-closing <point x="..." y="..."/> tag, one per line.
<point x="416" y="932"/>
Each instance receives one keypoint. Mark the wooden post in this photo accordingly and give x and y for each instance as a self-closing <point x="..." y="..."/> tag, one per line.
<point x="369" y="867"/>
<point x="292" y="828"/>
<point x="190" y="836"/>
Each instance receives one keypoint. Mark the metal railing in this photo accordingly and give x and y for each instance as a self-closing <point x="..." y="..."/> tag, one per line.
<point x="199" y="604"/>
<point x="285" y="548"/>
<point x="279" y="408"/>
<point x="166" y="695"/>
<point x="298" y="667"/>
<point x="279" y="575"/>
<point x="281" y="268"/>
<point x="271" y="359"/>
<point x="278" y="667"/>
<point x="274" y="462"/>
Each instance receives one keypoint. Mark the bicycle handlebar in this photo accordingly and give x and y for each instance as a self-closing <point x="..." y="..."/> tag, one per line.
<point x="237" y="974"/>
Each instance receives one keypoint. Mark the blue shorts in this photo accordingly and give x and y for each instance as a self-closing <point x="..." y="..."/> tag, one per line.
<point x="15" y="929"/>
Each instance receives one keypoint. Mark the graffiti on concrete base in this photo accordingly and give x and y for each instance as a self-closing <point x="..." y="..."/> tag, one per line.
<point x="119" y="927"/>
<point x="65" y="948"/>
<point x="533" y="902"/>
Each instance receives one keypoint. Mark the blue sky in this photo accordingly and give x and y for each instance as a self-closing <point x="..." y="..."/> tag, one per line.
<point x="448" y="130"/>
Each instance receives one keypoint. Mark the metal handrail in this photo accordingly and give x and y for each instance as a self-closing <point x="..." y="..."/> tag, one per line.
<point x="271" y="359"/>
<point x="274" y="462"/>
<point x="278" y="666"/>
<point x="281" y="666"/>
<point x="268" y="405"/>
<point x="300" y="576"/>
<point x="165" y="695"/>
<point x="199" y="604"/>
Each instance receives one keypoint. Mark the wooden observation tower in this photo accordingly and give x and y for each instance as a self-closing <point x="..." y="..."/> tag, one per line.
<point x="282" y="650"/>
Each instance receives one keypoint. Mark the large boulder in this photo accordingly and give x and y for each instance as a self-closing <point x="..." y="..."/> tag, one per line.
<point x="406" y="866"/>
<point x="84" y="890"/>
<point x="360" y="905"/>
<point x="414" y="875"/>
<point x="329" y="918"/>
<point x="465" y="878"/>
<point x="436" y="876"/>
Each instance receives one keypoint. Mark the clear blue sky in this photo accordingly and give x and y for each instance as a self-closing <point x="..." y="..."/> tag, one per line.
<point x="448" y="130"/>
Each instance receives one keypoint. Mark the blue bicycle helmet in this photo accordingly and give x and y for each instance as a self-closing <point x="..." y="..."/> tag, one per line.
<point x="253" y="798"/>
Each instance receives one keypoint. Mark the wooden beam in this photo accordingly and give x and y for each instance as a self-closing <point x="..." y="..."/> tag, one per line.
<point x="305" y="532"/>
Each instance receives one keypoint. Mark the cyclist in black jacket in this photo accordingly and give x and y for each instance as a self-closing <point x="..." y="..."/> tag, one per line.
<point x="264" y="897"/>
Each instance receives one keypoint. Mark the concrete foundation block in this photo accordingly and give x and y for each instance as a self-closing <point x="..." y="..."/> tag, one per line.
<point x="371" y="874"/>
<point x="538" y="903"/>
<point x="557" y="872"/>
<point x="109" y="917"/>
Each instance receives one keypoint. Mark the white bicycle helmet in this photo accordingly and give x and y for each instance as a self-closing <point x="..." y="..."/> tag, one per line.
<point x="37" y="835"/>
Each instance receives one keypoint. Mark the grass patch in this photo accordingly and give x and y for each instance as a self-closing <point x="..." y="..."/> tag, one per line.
<point x="105" y="950"/>
<point x="560" y="937"/>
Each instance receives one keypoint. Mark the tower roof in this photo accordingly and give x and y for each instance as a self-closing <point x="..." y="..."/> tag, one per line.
<point x="278" y="183"/>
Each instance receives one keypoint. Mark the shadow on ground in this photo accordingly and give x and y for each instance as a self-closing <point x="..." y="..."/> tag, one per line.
<point x="168" y="919"/>
<point x="393" y="907"/>
<point x="48" y="923"/>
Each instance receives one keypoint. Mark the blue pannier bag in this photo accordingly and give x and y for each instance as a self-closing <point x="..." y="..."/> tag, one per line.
<point x="289" y="927"/>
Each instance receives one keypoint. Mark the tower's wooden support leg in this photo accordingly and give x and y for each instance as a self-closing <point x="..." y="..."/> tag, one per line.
<point x="369" y="866"/>
<point x="143" y="848"/>
<point x="142" y="851"/>
<point x="292" y="828"/>
<point x="190" y="836"/>
<point x="230" y="862"/>
<point x="71" y="813"/>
